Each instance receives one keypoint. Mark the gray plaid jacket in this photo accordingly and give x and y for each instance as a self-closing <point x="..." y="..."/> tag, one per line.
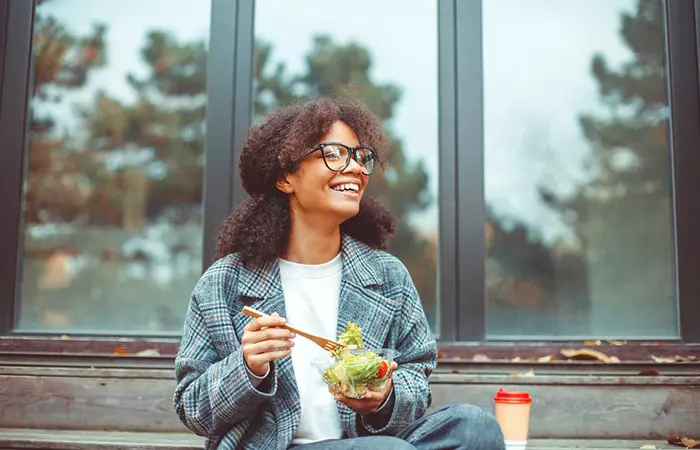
<point x="214" y="396"/>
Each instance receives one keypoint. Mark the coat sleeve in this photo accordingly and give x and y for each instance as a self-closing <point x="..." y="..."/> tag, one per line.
<point x="213" y="395"/>
<point x="418" y="359"/>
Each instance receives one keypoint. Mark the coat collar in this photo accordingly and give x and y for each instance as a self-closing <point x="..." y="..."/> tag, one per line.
<point x="360" y="267"/>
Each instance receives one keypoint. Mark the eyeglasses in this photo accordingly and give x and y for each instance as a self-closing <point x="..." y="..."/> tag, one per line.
<point x="337" y="156"/>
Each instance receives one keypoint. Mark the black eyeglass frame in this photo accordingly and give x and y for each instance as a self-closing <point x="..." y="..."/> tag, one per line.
<point x="352" y="154"/>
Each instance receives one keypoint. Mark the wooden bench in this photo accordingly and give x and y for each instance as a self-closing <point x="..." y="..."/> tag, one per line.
<point x="111" y="405"/>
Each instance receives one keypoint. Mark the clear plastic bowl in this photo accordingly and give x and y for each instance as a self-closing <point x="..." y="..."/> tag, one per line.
<point x="348" y="387"/>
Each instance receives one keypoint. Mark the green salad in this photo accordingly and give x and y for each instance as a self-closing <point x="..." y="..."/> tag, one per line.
<point x="355" y="371"/>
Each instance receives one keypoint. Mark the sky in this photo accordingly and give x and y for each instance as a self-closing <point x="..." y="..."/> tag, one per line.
<point x="537" y="79"/>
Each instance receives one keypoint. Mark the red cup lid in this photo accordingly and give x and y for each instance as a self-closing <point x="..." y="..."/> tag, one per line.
<point x="512" y="397"/>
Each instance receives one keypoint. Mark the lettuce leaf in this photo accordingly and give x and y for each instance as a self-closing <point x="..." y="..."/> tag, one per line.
<point x="352" y="335"/>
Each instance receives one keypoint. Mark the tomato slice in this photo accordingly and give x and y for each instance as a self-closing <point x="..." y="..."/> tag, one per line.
<point x="383" y="369"/>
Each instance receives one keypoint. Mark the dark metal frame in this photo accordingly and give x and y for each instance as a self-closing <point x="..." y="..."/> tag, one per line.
<point x="471" y="216"/>
<point x="683" y="19"/>
<point x="4" y="8"/>
<point x="448" y="270"/>
<point x="229" y="90"/>
<point x="15" y="84"/>
<point x="461" y="143"/>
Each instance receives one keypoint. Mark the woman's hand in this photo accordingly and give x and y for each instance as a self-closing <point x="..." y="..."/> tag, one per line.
<point x="371" y="400"/>
<point x="263" y="343"/>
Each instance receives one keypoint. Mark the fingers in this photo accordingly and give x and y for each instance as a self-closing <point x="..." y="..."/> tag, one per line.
<point x="264" y="358"/>
<point x="253" y="337"/>
<point x="265" y="321"/>
<point x="392" y="368"/>
<point x="366" y="405"/>
<point x="268" y="346"/>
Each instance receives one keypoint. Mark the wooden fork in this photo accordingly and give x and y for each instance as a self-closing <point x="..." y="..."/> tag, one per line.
<point x="322" y="342"/>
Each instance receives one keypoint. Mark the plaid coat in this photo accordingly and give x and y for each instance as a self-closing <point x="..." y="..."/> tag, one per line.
<point x="214" y="396"/>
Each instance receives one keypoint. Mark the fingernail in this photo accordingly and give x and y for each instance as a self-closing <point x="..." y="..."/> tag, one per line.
<point x="283" y="320"/>
<point x="291" y="343"/>
<point x="294" y="335"/>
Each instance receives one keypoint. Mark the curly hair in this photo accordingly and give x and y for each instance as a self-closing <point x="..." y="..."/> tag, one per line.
<point x="259" y="227"/>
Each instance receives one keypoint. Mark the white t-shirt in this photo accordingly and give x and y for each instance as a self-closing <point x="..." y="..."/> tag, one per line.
<point x="311" y="296"/>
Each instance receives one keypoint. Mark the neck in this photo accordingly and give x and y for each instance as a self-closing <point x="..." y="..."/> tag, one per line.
<point x="312" y="244"/>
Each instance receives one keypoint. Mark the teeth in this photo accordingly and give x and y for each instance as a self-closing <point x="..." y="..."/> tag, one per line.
<point x="347" y="187"/>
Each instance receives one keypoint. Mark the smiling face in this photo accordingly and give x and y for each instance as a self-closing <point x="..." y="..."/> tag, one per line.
<point x="319" y="193"/>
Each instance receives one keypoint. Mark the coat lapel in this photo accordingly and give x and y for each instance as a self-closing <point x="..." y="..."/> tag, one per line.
<point x="263" y="287"/>
<point x="361" y="302"/>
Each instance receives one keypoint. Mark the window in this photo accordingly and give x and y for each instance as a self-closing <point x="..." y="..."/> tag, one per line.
<point x="112" y="213"/>
<point x="362" y="56"/>
<point x="578" y="170"/>
<point x="544" y="166"/>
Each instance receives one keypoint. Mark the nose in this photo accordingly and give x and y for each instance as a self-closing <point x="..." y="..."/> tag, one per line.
<point x="353" y="167"/>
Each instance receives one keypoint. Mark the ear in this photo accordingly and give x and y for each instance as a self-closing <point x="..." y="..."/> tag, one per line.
<point x="284" y="184"/>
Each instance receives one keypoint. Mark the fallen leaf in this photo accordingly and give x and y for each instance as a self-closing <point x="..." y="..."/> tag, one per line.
<point x="672" y="359"/>
<point x="121" y="351"/>
<point x="662" y="359"/>
<point x="650" y="372"/>
<point x="441" y="355"/>
<point x="529" y="373"/>
<point x="589" y="354"/>
<point x="479" y="357"/>
<point x="683" y="441"/>
<point x="591" y="342"/>
<point x="647" y="447"/>
<point x="516" y="359"/>
<point x="618" y="342"/>
<point x="454" y="371"/>
<point x="65" y="337"/>
<point x="689" y="443"/>
<point x="148" y="352"/>
<point x="546" y="359"/>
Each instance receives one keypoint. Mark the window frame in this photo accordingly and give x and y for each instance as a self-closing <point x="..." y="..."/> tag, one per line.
<point x="226" y="88"/>
<point x="461" y="201"/>
<point x="683" y="43"/>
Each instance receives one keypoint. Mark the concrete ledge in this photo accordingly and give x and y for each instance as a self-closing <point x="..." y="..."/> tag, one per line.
<point x="566" y="406"/>
<point x="96" y="440"/>
<point x="15" y="439"/>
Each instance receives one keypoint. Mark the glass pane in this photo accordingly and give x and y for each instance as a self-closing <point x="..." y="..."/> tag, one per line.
<point x="365" y="59"/>
<point x="578" y="186"/>
<point x="113" y="192"/>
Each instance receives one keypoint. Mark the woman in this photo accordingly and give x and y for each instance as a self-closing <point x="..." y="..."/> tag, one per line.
<point x="307" y="246"/>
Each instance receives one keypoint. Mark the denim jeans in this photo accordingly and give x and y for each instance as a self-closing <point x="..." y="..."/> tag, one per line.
<point x="461" y="427"/>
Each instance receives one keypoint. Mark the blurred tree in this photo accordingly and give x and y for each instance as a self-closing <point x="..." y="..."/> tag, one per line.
<point x="107" y="173"/>
<point x="630" y="155"/>
<point x="56" y="190"/>
<point x="622" y="214"/>
<point x="152" y="150"/>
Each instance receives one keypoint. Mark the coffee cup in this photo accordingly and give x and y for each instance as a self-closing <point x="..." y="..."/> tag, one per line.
<point x="513" y="415"/>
